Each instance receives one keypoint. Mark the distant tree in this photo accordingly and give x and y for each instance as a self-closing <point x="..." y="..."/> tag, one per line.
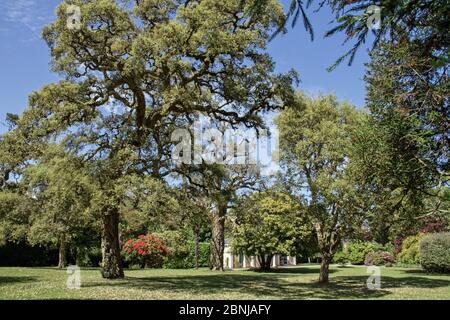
<point x="268" y="223"/>
<point x="194" y="215"/>
<point x="316" y="137"/>
<point x="14" y="215"/>
<point x="60" y="192"/>
<point x="220" y="183"/>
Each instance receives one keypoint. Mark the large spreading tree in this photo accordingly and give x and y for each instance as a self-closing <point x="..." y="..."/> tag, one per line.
<point x="152" y="63"/>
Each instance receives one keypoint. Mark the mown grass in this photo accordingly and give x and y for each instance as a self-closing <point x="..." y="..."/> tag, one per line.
<point x="291" y="283"/>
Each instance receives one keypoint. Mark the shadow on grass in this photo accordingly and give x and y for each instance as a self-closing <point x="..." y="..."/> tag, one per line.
<point x="289" y="270"/>
<point x="4" y="280"/>
<point x="424" y="272"/>
<point x="275" y="285"/>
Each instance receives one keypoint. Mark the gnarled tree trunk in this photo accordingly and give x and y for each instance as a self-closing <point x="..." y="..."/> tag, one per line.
<point x="218" y="238"/>
<point x="325" y="268"/>
<point x="328" y="242"/>
<point x="111" y="263"/>
<point x="62" y="259"/>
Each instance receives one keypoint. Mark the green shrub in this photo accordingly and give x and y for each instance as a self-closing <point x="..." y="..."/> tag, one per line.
<point x="410" y="250"/>
<point x="356" y="251"/>
<point x="182" y="251"/>
<point x="183" y="256"/>
<point x="88" y="257"/>
<point x="435" y="252"/>
<point x="340" y="257"/>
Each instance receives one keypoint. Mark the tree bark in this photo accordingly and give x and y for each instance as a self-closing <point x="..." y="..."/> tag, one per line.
<point x="325" y="268"/>
<point x="196" y="246"/>
<point x="111" y="262"/>
<point x="328" y="241"/>
<point x="62" y="260"/>
<point x="218" y="238"/>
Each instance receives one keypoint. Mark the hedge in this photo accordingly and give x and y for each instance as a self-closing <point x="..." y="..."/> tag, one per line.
<point x="435" y="252"/>
<point x="183" y="257"/>
<point x="410" y="250"/>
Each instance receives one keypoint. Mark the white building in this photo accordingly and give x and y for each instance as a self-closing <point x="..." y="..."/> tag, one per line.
<point x="236" y="261"/>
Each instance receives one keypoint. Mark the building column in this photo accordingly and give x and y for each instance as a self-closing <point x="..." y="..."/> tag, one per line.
<point x="253" y="262"/>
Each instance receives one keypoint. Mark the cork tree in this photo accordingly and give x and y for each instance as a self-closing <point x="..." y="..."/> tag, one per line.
<point x="130" y="69"/>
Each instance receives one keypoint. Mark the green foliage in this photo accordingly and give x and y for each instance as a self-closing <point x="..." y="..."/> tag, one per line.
<point x="417" y="126"/>
<point x="410" y="249"/>
<point x="340" y="257"/>
<point x="183" y="256"/>
<point x="159" y="63"/>
<point x="317" y="139"/>
<point x="182" y="251"/>
<point x="362" y="252"/>
<point x="356" y="251"/>
<point x="62" y="192"/>
<point x="14" y="216"/>
<point x="435" y="252"/>
<point x="144" y="202"/>
<point x="268" y="222"/>
<point x="88" y="256"/>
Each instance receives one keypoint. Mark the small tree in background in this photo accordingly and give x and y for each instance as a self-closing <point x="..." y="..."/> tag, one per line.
<point x="61" y="192"/>
<point x="316" y="140"/>
<point x="267" y="223"/>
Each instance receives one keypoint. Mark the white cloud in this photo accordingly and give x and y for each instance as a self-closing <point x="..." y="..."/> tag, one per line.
<point x="29" y="14"/>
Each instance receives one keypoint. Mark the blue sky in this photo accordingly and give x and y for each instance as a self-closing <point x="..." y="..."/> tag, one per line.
<point x="24" y="56"/>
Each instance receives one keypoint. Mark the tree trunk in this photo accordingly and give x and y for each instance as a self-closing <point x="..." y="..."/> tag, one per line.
<point x="324" y="268"/>
<point x="62" y="260"/>
<point x="264" y="262"/>
<point x="111" y="263"/>
<point x="218" y="238"/>
<point x="78" y="257"/>
<point x="196" y="245"/>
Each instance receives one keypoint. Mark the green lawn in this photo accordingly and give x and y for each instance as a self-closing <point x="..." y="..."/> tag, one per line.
<point x="292" y="283"/>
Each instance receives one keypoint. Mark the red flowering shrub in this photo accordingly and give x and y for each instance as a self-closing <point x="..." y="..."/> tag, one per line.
<point x="145" y="250"/>
<point x="379" y="258"/>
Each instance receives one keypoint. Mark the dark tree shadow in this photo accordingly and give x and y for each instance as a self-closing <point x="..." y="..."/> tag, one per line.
<point x="4" y="280"/>
<point x="274" y="284"/>
<point x="424" y="272"/>
<point x="290" y="270"/>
